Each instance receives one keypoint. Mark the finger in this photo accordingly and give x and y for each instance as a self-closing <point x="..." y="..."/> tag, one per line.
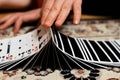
<point x="5" y="18"/>
<point x="53" y="13"/>
<point x="18" y="25"/>
<point x="64" y="12"/>
<point x="32" y="17"/>
<point x="8" y="23"/>
<point x="77" y="11"/>
<point x="46" y="9"/>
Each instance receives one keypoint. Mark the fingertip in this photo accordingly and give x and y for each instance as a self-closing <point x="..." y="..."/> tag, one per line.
<point x="58" y="23"/>
<point x="76" y="21"/>
<point x="47" y="24"/>
<point x="15" y="32"/>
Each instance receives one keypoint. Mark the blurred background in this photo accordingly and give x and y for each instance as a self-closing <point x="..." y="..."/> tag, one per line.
<point x="102" y="8"/>
<point x="91" y="8"/>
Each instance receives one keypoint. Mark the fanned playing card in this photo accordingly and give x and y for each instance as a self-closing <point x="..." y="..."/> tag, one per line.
<point x="48" y="48"/>
<point x="89" y="50"/>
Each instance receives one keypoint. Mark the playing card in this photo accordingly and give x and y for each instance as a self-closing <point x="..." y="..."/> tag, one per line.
<point x="49" y="49"/>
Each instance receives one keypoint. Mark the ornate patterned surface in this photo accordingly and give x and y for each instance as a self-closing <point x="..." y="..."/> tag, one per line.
<point x="95" y="29"/>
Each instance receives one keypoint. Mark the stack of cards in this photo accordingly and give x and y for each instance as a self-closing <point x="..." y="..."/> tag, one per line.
<point x="51" y="49"/>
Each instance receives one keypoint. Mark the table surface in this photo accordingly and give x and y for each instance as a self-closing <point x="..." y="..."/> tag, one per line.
<point x="32" y="77"/>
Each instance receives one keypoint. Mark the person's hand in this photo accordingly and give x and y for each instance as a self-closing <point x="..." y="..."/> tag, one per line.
<point x="14" y="4"/>
<point x="58" y="10"/>
<point x="18" y="18"/>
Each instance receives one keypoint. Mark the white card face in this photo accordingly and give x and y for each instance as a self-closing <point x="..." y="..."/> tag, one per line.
<point x="34" y="43"/>
<point x="18" y="47"/>
<point x="3" y="50"/>
<point x="3" y="47"/>
<point x="24" y="45"/>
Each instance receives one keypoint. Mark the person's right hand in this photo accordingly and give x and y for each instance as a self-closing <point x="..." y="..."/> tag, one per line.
<point x="56" y="11"/>
<point x="18" y="18"/>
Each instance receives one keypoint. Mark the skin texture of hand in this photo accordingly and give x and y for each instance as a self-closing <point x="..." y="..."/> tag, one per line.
<point x="14" y="4"/>
<point x="58" y="10"/>
<point x="18" y="18"/>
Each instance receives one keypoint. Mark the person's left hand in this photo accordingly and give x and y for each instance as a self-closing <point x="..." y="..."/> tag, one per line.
<point x="58" y="10"/>
<point x="19" y="18"/>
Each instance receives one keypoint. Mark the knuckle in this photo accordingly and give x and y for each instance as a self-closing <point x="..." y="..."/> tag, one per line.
<point x="65" y="7"/>
<point x="55" y="8"/>
<point x="47" y="9"/>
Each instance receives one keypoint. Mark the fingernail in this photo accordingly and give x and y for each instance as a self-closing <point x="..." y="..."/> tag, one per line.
<point x="58" y="23"/>
<point x="76" y="21"/>
<point x="47" y="24"/>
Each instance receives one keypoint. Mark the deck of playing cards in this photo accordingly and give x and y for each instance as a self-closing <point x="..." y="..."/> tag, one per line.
<point x="48" y="48"/>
